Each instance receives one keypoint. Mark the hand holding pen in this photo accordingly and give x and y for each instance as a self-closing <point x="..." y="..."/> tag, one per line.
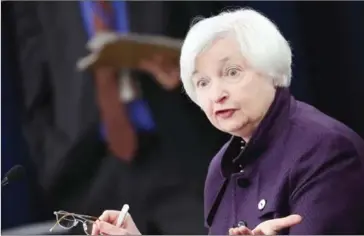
<point x="115" y="223"/>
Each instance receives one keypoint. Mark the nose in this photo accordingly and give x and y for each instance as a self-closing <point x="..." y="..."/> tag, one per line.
<point x="218" y="94"/>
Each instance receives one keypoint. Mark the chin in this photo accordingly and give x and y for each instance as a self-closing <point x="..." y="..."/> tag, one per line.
<point x="233" y="129"/>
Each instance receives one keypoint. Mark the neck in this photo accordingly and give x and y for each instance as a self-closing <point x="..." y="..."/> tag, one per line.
<point x="248" y="132"/>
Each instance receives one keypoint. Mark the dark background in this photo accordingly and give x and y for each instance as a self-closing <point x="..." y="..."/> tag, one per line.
<point x="328" y="72"/>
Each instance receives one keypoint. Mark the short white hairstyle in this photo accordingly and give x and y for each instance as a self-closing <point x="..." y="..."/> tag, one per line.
<point x="261" y="44"/>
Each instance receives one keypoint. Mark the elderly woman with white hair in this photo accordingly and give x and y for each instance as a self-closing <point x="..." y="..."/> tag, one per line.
<point x="288" y="168"/>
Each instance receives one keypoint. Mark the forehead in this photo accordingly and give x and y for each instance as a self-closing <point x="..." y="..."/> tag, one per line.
<point x="219" y="51"/>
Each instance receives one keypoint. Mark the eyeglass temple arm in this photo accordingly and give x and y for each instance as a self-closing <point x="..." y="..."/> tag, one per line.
<point x="83" y="217"/>
<point x="86" y="217"/>
<point x="57" y="222"/>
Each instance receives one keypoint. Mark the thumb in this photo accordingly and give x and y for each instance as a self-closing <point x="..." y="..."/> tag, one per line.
<point x="110" y="229"/>
<point x="270" y="227"/>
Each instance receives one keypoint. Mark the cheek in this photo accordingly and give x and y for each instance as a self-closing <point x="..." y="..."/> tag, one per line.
<point x="250" y="108"/>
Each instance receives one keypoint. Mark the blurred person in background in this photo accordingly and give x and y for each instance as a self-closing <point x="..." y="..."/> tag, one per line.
<point x="55" y="100"/>
<point x="288" y="168"/>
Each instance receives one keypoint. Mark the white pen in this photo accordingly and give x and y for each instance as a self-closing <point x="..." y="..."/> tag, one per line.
<point x="122" y="215"/>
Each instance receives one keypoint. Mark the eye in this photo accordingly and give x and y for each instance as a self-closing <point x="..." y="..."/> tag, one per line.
<point x="202" y="83"/>
<point x="232" y="72"/>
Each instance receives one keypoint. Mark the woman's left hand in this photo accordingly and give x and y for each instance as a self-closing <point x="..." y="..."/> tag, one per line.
<point x="269" y="227"/>
<point x="164" y="71"/>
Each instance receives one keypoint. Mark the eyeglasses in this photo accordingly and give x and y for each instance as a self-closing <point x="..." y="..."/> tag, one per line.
<point x="68" y="220"/>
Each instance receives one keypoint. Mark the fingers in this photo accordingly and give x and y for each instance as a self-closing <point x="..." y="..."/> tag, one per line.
<point x="240" y="231"/>
<point x="259" y="231"/>
<point x="109" y="229"/>
<point x="158" y="65"/>
<point x="271" y="227"/>
<point x="286" y="222"/>
<point x="95" y="229"/>
<point x="109" y="216"/>
<point x="106" y="224"/>
<point x="164" y="71"/>
<point x="127" y="220"/>
<point x="151" y="67"/>
<point x="165" y="76"/>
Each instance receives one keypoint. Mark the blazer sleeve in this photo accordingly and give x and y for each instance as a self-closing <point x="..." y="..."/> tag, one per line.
<point x="330" y="192"/>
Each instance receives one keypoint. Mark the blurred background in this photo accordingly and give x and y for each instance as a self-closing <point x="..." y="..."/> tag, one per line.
<point x="66" y="127"/>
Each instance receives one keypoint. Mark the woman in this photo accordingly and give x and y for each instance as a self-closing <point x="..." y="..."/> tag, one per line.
<point x="288" y="168"/>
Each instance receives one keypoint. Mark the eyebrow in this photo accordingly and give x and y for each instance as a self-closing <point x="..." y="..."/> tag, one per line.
<point x="221" y="61"/>
<point x="224" y="60"/>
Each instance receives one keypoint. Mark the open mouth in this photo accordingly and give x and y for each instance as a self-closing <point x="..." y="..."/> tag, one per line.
<point x="224" y="114"/>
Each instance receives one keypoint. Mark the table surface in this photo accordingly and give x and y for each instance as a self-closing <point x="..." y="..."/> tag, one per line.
<point x="36" y="228"/>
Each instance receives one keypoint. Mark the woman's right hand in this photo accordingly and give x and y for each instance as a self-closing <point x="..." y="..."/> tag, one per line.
<point x="106" y="225"/>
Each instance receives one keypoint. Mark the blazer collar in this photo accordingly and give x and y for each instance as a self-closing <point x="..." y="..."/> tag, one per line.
<point x="267" y="131"/>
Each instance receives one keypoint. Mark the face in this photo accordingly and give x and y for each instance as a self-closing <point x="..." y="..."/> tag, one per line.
<point x="233" y="96"/>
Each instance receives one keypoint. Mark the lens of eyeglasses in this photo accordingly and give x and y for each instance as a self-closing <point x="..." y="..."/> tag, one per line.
<point x="87" y="227"/>
<point x="66" y="220"/>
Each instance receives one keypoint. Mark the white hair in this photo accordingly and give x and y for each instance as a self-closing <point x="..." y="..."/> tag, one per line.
<point x="261" y="44"/>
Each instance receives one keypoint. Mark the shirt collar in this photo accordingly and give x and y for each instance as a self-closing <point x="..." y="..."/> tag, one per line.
<point x="267" y="131"/>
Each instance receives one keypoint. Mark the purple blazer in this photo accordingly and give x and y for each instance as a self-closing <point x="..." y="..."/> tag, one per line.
<point x="298" y="161"/>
